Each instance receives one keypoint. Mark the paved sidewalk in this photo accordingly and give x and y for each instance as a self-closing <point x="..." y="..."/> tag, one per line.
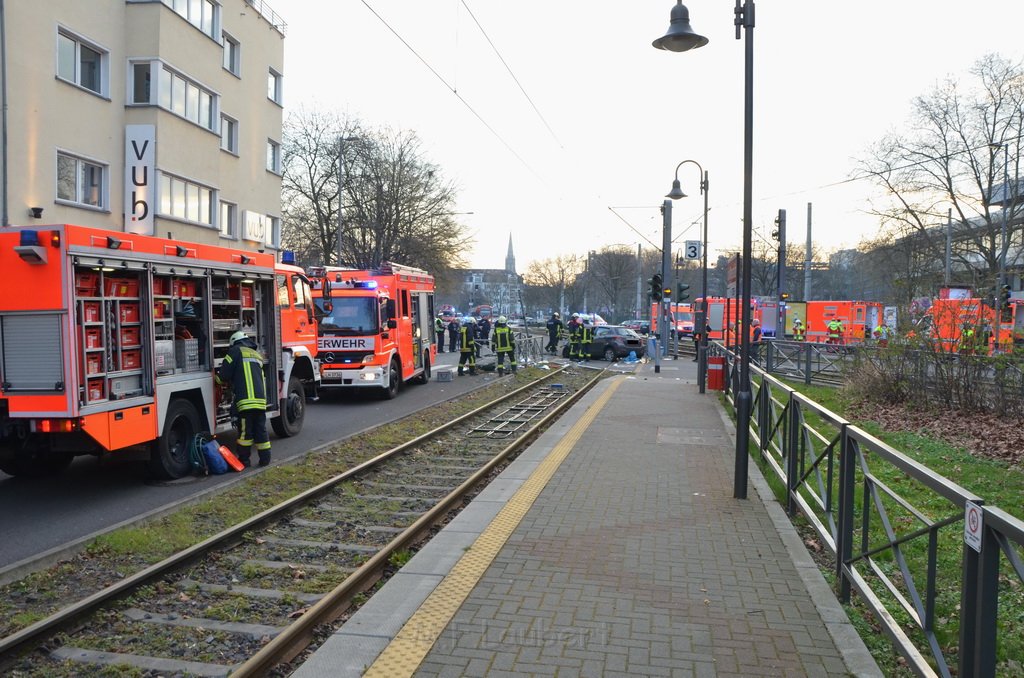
<point x="630" y="558"/>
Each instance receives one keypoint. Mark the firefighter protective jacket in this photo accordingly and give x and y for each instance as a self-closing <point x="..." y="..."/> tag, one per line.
<point x="503" y="338"/>
<point x="243" y="369"/>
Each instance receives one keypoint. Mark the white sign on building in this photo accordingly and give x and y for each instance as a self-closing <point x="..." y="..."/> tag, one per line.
<point x="139" y="178"/>
<point x="256" y="227"/>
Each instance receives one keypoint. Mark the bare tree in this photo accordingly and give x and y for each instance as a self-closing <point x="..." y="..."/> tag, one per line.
<point x="397" y="206"/>
<point x="552" y="280"/>
<point x="949" y="160"/>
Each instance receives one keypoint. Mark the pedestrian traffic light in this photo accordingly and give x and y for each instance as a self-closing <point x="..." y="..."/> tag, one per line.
<point x="656" y="287"/>
<point x="681" y="293"/>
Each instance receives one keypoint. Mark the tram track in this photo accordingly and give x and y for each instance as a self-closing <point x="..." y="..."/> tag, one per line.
<point x="250" y="597"/>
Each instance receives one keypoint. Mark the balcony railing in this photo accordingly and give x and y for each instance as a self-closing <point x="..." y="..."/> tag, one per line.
<point x="267" y="12"/>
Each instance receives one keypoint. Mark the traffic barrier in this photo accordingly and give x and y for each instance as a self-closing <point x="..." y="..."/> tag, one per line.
<point x="716" y="373"/>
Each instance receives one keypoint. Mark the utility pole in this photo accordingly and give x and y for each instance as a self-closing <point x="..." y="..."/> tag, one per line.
<point x="780" y="273"/>
<point x="638" y="314"/>
<point x="807" y="258"/>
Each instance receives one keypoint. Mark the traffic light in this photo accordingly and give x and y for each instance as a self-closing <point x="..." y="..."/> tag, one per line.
<point x="681" y="293"/>
<point x="656" y="287"/>
<point x="1004" y="304"/>
<point x="784" y="296"/>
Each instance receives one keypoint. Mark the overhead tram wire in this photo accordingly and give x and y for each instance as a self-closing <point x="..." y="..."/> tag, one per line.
<point x="456" y="93"/>
<point x="514" y="78"/>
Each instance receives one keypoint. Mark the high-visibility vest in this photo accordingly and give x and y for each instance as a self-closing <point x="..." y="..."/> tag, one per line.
<point x="467" y="336"/>
<point x="503" y="340"/>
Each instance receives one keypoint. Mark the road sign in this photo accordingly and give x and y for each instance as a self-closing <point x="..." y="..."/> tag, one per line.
<point x="691" y="250"/>
<point x="974" y="522"/>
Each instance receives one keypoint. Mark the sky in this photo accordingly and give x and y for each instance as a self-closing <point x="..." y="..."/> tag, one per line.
<point x="562" y="125"/>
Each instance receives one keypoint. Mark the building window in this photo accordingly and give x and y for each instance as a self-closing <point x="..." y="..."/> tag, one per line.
<point x="81" y="182"/>
<point x="228" y="219"/>
<point x="274" y="86"/>
<point x="273" y="156"/>
<point x="142" y="83"/>
<point x="180" y="96"/>
<point x="232" y="55"/>
<point x="229" y="134"/>
<point x="186" y="200"/>
<point x="203" y="14"/>
<point x="81" y="63"/>
<point x="275" y="232"/>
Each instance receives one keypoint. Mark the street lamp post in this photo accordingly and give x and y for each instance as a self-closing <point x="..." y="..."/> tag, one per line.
<point x="680" y="38"/>
<point x="700" y="321"/>
<point x="341" y="190"/>
<point x="1001" y="281"/>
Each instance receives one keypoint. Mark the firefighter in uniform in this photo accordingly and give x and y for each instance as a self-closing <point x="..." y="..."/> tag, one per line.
<point x="575" y="336"/>
<point x="798" y="330"/>
<point x="835" y="331"/>
<point x="967" y="340"/>
<point x="467" y="347"/>
<point x="586" y="339"/>
<point x="242" y="368"/>
<point x="439" y="333"/>
<point x="555" y="327"/>
<point x="503" y="344"/>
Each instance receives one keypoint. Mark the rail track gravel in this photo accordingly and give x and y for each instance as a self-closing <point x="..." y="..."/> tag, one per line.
<point x="211" y="607"/>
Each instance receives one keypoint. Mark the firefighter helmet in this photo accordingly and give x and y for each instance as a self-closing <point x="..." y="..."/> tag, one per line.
<point x="502" y="320"/>
<point x="555" y="314"/>
<point x="238" y="336"/>
<point x="575" y="315"/>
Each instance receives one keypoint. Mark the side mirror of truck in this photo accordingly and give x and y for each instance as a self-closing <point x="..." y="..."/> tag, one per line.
<point x="325" y="291"/>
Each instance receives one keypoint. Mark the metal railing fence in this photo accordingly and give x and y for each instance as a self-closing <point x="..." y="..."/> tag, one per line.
<point x="896" y="531"/>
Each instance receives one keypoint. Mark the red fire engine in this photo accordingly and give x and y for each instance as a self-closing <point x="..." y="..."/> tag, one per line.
<point x="376" y="326"/>
<point x="109" y="340"/>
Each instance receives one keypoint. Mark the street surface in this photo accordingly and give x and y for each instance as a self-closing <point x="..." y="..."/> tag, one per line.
<point x="91" y="495"/>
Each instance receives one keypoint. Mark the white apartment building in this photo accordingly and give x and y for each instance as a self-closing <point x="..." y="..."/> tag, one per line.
<point x="161" y="117"/>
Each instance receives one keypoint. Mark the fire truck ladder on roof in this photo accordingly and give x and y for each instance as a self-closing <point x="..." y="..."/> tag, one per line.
<point x="507" y="423"/>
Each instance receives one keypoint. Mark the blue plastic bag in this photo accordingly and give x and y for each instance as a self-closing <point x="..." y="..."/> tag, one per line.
<point x="214" y="461"/>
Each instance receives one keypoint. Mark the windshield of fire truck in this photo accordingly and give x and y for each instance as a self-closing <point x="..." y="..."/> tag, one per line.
<point x="353" y="316"/>
<point x="684" y="316"/>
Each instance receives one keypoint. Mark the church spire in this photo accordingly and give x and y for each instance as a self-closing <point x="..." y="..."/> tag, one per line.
<point x="510" y="258"/>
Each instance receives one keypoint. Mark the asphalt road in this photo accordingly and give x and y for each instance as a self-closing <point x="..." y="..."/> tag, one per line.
<point x="44" y="514"/>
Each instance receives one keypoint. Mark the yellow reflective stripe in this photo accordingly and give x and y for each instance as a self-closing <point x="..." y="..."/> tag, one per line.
<point x="263" y="446"/>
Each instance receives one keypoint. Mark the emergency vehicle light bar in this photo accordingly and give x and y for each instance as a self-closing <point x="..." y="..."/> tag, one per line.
<point x="29" y="248"/>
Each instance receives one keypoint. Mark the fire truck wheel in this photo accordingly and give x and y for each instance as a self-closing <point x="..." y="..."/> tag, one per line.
<point x="169" y="455"/>
<point x="293" y="410"/>
<point x="424" y="376"/>
<point x="394" y="379"/>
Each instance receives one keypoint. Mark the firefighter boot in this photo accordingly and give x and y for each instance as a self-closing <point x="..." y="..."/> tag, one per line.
<point x="244" y="452"/>
<point x="472" y="371"/>
<point x="460" y="370"/>
<point x="264" y="457"/>
<point x="513" y="369"/>
<point x="501" y="371"/>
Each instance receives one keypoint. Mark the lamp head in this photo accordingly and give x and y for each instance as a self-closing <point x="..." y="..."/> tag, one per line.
<point x="677" y="191"/>
<point x="680" y="36"/>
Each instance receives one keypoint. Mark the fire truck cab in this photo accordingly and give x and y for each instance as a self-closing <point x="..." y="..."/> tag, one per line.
<point x="109" y="341"/>
<point x="376" y="327"/>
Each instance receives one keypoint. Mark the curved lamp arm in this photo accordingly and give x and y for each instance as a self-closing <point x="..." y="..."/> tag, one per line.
<point x="677" y="192"/>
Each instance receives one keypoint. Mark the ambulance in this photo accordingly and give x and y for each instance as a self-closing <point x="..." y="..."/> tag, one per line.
<point x="859" y="318"/>
<point x="109" y="341"/>
<point x="376" y="327"/>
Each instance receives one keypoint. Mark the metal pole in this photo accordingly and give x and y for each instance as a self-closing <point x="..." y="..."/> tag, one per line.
<point x="341" y="194"/>
<point x="1002" y="243"/>
<point x="702" y="349"/>
<point x="638" y="313"/>
<point x="807" y="262"/>
<point x="666" y="267"/>
<point x="947" y="276"/>
<point x="744" y="399"/>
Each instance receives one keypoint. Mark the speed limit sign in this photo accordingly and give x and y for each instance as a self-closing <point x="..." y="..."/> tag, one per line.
<point x="691" y="250"/>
